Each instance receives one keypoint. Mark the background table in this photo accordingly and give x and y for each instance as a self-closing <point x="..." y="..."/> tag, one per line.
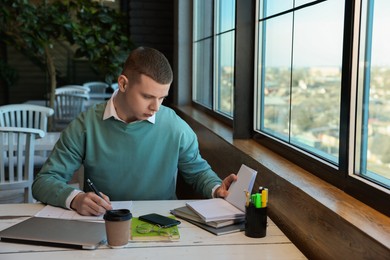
<point x="194" y="242"/>
<point x="47" y="142"/>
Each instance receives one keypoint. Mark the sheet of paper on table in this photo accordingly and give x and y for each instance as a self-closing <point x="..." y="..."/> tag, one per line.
<point x="56" y="212"/>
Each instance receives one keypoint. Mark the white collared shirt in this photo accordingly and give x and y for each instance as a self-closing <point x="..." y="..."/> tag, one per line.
<point x="110" y="111"/>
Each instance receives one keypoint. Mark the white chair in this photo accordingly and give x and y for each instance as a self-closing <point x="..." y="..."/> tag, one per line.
<point x="73" y="89"/>
<point x="67" y="108"/>
<point x="25" y="115"/>
<point x="96" y="87"/>
<point x="98" y="90"/>
<point x="17" y="160"/>
<point x="114" y="86"/>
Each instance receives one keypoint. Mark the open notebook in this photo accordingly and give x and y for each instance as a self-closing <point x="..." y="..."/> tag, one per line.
<point x="56" y="232"/>
<point x="233" y="206"/>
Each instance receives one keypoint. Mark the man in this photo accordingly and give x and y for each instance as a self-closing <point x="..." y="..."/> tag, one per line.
<point x="131" y="146"/>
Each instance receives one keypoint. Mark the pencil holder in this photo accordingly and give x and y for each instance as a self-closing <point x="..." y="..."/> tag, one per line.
<point x="255" y="221"/>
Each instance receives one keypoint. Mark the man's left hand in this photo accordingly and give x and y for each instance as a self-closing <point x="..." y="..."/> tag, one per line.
<point x="222" y="191"/>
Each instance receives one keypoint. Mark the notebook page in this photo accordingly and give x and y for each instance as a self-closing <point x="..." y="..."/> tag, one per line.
<point x="215" y="209"/>
<point x="246" y="179"/>
<point x="56" y="212"/>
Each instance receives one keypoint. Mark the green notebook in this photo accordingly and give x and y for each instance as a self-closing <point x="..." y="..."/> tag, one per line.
<point x="143" y="231"/>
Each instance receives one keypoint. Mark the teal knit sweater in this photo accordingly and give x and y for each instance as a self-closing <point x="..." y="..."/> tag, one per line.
<point x="136" y="161"/>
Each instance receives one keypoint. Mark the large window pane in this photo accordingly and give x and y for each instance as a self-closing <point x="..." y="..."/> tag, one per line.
<point x="373" y="118"/>
<point x="225" y="74"/>
<point x="213" y="67"/>
<point x="316" y="78"/>
<point x="299" y="82"/>
<point x="276" y="76"/>
<point x="203" y="77"/>
<point x="272" y="7"/>
<point x="203" y="25"/>
<point x="226" y="15"/>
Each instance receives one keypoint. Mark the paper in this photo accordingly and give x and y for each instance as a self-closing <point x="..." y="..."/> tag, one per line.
<point x="186" y="213"/>
<point x="60" y="213"/>
<point x="246" y="179"/>
<point x="233" y="206"/>
<point x="215" y="209"/>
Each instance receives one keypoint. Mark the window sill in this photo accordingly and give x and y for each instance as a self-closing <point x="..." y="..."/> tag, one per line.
<point x="323" y="221"/>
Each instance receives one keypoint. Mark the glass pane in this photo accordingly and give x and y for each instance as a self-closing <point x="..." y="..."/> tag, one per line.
<point x="203" y="81"/>
<point x="373" y="122"/>
<point x="272" y="7"/>
<point x="226" y="15"/>
<point x="203" y="19"/>
<point x="300" y="77"/>
<point x="316" y="78"/>
<point x="225" y="73"/>
<point x="302" y="2"/>
<point x="276" y="75"/>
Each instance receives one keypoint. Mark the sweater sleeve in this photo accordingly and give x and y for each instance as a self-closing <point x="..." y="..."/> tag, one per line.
<point x="195" y="170"/>
<point x="50" y="186"/>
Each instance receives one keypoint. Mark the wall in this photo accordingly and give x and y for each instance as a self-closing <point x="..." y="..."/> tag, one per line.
<point x="151" y="25"/>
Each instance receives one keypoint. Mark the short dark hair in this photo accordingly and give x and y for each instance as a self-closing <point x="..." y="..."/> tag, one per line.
<point x="150" y="62"/>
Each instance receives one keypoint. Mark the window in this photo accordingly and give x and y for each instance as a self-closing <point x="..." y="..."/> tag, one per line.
<point x="300" y="58"/>
<point x="213" y="47"/>
<point x="318" y="88"/>
<point x="300" y="92"/>
<point x="373" y="106"/>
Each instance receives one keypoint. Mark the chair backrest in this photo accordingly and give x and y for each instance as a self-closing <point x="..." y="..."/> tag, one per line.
<point x="97" y="87"/>
<point x="114" y="86"/>
<point x="78" y="89"/>
<point x="17" y="146"/>
<point x="68" y="106"/>
<point x="25" y="115"/>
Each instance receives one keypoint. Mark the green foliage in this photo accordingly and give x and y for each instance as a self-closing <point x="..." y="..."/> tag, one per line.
<point x="102" y="37"/>
<point x="98" y="32"/>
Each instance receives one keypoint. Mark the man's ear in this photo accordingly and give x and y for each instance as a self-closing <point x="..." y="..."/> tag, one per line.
<point x="122" y="82"/>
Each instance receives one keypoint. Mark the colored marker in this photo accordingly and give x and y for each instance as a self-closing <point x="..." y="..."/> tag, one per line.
<point x="247" y="195"/>
<point x="258" y="200"/>
<point x="264" y="197"/>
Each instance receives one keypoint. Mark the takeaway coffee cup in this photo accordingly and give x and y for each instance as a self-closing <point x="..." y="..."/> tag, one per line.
<point x="117" y="224"/>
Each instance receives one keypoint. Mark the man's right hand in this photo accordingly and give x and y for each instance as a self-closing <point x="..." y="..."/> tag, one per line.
<point x="89" y="203"/>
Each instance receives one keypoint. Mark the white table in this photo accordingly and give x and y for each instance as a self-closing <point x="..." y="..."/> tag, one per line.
<point x="47" y="142"/>
<point x="194" y="243"/>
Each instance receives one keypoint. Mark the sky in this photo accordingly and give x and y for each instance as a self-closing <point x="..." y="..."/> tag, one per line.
<point x="318" y="33"/>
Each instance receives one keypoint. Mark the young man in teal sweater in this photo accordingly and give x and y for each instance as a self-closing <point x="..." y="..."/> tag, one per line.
<point x="131" y="147"/>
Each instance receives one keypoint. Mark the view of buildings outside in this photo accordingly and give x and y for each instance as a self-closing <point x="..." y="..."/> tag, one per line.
<point x="299" y="84"/>
<point x="374" y="90"/>
<point x="300" y="57"/>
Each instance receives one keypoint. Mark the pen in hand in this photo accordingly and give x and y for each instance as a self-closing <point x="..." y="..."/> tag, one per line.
<point x="92" y="186"/>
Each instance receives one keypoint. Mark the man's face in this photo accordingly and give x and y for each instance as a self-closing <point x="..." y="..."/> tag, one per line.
<point x="143" y="98"/>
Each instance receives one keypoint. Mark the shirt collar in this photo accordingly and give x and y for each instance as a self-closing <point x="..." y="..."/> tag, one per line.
<point x="110" y="111"/>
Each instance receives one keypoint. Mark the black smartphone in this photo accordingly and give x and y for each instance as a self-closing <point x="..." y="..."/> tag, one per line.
<point x="160" y="220"/>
